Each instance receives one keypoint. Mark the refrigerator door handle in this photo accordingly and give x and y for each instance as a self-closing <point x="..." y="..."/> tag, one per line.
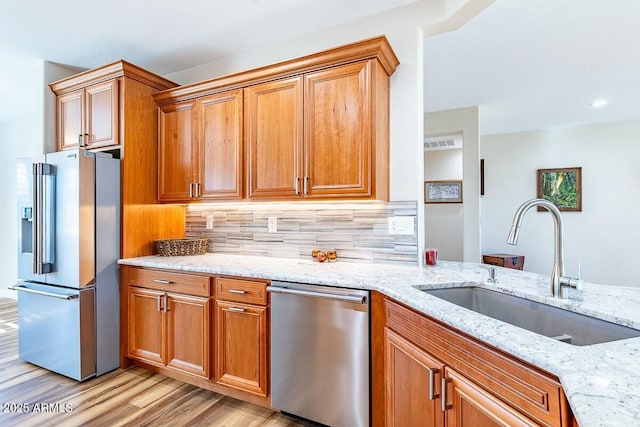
<point x="36" y="235"/>
<point x="43" y="217"/>
<point x="46" y="294"/>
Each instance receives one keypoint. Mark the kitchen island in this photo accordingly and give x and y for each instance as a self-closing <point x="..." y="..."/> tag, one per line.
<point x="600" y="381"/>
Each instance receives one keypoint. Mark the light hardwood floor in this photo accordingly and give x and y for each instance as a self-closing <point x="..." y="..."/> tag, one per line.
<point x="131" y="397"/>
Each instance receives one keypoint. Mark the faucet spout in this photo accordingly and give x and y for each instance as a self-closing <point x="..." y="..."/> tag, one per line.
<point x="558" y="260"/>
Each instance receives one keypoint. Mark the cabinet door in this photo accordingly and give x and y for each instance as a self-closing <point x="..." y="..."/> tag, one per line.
<point x="338" y="131"/>
<point x="101" y="115"/>
<point x="469" y="405"/>
<point x="241" y="334"/>
<point x="188" y="334"/>
<point x="220" y="146"/>
<point x="273" y="132"/>
<point x="412" y="392"/>
<point x="146" y="325"/>
<point x="176" y="152"/>
<point x="70" y="108"/>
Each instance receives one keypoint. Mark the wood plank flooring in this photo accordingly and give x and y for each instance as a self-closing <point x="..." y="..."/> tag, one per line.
<point x="32" y="396"/>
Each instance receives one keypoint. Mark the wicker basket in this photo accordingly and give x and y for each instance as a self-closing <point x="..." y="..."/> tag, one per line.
<point x="178" y="247"/>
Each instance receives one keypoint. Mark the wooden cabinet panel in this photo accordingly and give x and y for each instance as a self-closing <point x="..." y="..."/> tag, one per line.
<point x="241" y="334"/>
<point x="472" y="406"/>
<point x="176" y="152"/>
<point x="408" y="383"/>
<point x="273" y="132"/>
<point x="220" y="146"/>
<point x="70" y="109"/>
<point x="486" y="387"/>
<point x="101" y="116"/>
<point x="188" y="334"/>
<point x="241" y="290"/>
<point x="338" y="131"/>
<point x="192" y="284"/>
<point x="146" y="326"/>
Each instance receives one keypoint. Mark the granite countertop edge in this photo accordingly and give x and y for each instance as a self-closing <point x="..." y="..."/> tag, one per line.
<point x="601" y="381"/>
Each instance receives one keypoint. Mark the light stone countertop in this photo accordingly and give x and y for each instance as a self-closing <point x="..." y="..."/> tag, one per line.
<point x="601" y="381"/>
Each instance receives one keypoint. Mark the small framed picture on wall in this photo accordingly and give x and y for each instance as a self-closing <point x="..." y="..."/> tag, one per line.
<point x="443" y="191"/>
<point x="562" y="187"/>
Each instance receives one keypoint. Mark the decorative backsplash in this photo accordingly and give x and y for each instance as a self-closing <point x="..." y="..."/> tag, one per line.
<point x="357" y="231"/>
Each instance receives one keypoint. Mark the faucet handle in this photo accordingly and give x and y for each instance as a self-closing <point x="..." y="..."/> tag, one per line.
<point x="572" y="282"/>
<point x="580" y="281"/>
<point x="492" y="275"/>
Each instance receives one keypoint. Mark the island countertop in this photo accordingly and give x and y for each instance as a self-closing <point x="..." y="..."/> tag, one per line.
<point x="601" y="381"/>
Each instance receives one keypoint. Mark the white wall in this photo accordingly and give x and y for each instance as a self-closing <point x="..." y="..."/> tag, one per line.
<point x="29" y="134"/>
<point x="402" y="27"/>
<point x="444" y="228"/>
<point x="604" y="237"/>
<point x="465" y="121"/>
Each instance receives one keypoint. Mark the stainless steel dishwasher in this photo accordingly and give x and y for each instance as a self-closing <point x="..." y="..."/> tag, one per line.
<point x="320" y="353"/>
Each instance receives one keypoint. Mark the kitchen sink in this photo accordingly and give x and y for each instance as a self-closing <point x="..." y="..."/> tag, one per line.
<point x="563" y="325"/>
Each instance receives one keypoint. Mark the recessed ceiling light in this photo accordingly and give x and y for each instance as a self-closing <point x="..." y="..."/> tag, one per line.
<point x="599" y="103"/>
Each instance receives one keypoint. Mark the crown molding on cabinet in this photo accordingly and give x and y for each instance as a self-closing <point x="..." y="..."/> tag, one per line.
<point x="377" y="47"/>
<point x="107" y="72"/>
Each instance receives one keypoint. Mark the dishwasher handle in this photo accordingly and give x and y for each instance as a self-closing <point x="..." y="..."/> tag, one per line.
<point x="358" y="299"/>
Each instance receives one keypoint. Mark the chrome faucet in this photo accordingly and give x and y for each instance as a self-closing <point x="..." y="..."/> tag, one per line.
<point x="559" y="283"/>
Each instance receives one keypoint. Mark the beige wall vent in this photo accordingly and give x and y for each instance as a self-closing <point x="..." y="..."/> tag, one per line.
<point x="443" y="142"/>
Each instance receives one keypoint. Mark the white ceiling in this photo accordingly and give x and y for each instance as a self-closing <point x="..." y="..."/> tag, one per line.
<point x="163" y="36"/>
<point x="535" y="64"/>
<point x="528" y="64"/>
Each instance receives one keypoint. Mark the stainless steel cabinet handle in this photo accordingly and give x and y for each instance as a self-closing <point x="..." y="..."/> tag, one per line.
<point x="236" y="309"/>
<point x="306" y="185"/>
<point x="432" y="383"/>
<point x="191" y="190"/>
<point x="237" y="291"/>
<point x="445" y="405"/>
<point x="163" y="282"/>
<point x="338" y="297"/>
<point x="159" y="302"/>
<point x="80" y="140"/>
<point x="297" y="184"/>
<point x="198" y="190"/>
<point x="43" y="293"/>
<point x="85" y="137"/>
<point x="166" y="304"/>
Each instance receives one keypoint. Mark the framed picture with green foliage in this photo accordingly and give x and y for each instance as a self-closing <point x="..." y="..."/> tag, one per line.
<point x="562" y="187"/>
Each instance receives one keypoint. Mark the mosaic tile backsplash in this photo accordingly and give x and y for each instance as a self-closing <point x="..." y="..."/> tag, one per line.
<point x="357" y="231"/>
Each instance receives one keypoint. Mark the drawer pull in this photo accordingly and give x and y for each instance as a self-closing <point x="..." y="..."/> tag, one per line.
<point x="445" y="405"/>
<point x="163" y="282"/>
<point x="432" y="383"/>
<point x="236" y="309"/>
<point x="237" y="291"/>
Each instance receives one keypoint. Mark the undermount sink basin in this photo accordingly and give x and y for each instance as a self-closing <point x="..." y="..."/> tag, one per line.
<point x="563" y="325"/>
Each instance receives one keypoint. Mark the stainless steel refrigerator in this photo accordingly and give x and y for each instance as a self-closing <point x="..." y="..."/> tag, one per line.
<point x="68" y="247"/>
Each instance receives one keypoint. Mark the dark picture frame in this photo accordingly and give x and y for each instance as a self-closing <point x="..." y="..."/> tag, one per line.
<point x="562" y="187"/>
<point x="443" y="191"/>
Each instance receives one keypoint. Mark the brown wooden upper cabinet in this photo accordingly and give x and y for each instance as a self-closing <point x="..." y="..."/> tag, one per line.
<point x="312" y="127"/>
<point x="200" y="147"/>
<point x="88" y="117"/>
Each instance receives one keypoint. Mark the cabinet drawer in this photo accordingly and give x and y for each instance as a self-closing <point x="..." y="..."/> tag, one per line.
<point x="534" y="392"/>
<point x="240" y="290"/>
<point x="191" y="284"/>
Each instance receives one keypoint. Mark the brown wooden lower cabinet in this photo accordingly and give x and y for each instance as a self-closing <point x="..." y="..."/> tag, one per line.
<point x="241" y="333"/>
<point x="434" y="375"/>
<point x="173" y="323"/>
<point x="169" y="329"/>
<point x="412" y="398"/>
<point x="469" y="405"/>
